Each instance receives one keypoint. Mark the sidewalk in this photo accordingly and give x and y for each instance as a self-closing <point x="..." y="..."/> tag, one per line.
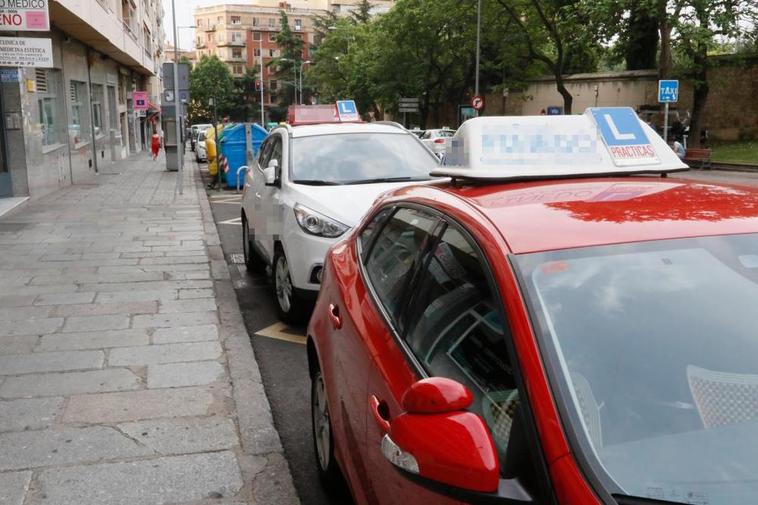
<point x="126" y="373"/>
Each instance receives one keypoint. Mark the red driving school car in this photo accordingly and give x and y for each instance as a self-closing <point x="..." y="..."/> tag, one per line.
<point x="513" y="334"/>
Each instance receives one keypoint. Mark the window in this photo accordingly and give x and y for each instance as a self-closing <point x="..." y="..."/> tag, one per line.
<point x="273" y="85"/>
<point x="50" y="113"/>
<point x="236" y="37"/>
<point x="298" y="25"/>
<point x="236" y="53"/>
<point x="79" y="127"/>
<point x="256" y="35"/>
<point x="236" y="20"/>
<point x="271" y="150"/>
<point x="199" y="23"/>
<point x="257" y="52"/>
<point x="210" y="37"/>
<point x="364" y="239"/>
<point x="237" y="69"/>
<point x="454" y="328"/>
<point x="97" y="108"/>
<point x="221" y="37"/>
<point x="272" y="37"/>
<point x="272" y="22"/>
<point x="272" y="53"/>
<point x="255" y="21"/>
<point x="394" y="254"/>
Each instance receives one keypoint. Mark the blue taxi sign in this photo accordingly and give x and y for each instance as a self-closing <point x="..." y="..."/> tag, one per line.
<point x="668" y="91"/>
<point x="347" y="110"/>
<point x="601" y="141"/>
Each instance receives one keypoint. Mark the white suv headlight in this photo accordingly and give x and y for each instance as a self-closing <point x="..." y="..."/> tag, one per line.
<point x="318" y="224"/>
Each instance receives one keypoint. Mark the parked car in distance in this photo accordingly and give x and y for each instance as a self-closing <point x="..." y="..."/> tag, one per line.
<point x="200" y="151"/>
<point x="312" y="181"/>
<point x="437" y="140"/>
<point x="194" y="131"/>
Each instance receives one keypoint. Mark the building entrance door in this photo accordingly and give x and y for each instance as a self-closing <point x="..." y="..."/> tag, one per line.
<point x="5" y="176"/>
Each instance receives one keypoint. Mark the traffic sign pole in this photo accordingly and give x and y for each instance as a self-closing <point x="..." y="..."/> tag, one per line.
<point x="666" y="122"/>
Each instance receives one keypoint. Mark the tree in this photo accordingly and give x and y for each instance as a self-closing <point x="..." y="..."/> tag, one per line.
<point x="556" y="33"/>
<point x="362" y="12"/>
<point x="245" y="95"/>
<point x="210" y="78"/>
<point x="291" y="50"/>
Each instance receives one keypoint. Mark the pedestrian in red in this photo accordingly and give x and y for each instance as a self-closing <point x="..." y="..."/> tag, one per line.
<point x="155" y="144"/>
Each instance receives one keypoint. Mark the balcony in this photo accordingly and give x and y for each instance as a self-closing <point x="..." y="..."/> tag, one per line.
<point x="97" y="25"/>
<point x="232" y="43"/>
<point x="236" y="59"/>
<point x="210" y="28"/>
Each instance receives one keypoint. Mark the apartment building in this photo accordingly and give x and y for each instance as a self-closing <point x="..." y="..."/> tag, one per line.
<point x="242" y="35"/>
<point x="65" y="123"/>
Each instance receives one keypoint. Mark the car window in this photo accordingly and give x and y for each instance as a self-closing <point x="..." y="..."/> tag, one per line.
<point x="426" y="135"/>
<point x="356" y="158"/>
<point x="265" y="153"/>
<point x="394" y="253"/>
<point x="276" y="150"/>
<point x="364" y="239"/>
<point x="455" y="330"/>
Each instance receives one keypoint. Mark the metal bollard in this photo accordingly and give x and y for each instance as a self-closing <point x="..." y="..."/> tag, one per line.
<point x="243" y="167"/>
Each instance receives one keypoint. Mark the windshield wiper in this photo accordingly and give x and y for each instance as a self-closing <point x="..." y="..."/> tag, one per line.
<point x="316" y="182"/>
<point x="387" y="179"/>
<point x="623" y="499"/>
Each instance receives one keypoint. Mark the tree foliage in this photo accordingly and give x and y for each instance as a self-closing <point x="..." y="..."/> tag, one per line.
<point x="288" y="62"/>
<point x="210" y="78"/>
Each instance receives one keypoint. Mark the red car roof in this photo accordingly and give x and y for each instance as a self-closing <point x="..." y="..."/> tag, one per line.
<point x="560" y="214"/>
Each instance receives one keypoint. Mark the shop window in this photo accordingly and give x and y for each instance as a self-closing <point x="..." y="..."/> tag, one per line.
<point x="78" y="128"/>
<point x="49" y="105"/>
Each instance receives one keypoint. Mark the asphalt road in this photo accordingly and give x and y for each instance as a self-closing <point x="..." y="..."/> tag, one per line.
<point x="280" y="350"/>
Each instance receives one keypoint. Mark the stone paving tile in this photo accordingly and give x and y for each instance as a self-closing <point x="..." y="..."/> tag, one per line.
<point x="174" y="260"/>
<point x="16" y="300"/>
<point x="188" y="294"/>
<point x="136" y="296"/>
<point x="29" y="414"/>
<point x="70" y="383"/>
<point x="136" y="405"/>
<point x="171" y="375"/>
<point x="80" y="278"/>
<point x="13" y="487"/>
<point x="146" y="286"/>
<point x="17" y="364"/>
<point x="30" y="326"/>
<point x="183" y="435"/>
<point x="19" y="344"/>
<point x="93" y="340"/>
<point x="95" y="323"/>
<point x="168" y="353"/>
<point x="64" y="298"/>
<point x="32" y="449"/>
<point x="185" y="334"/>
<point x="164" y="480"/>
<point x="179" y="319"/>
<point x="21" y="313"/>
<point x="197" y="305"/>
<point x="101" y="309"/>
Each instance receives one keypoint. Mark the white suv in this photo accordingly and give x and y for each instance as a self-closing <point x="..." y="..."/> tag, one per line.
<point x="308" y="186"/>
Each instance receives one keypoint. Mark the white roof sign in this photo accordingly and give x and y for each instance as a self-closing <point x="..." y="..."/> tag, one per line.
<point x="606" y="140"/>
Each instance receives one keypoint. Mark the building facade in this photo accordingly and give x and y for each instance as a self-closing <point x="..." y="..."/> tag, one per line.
<point x="78" y="116"/>
<point x="241" y="35"/>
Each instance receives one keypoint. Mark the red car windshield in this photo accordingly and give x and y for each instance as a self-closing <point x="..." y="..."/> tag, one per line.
<point x="651" y="348"/>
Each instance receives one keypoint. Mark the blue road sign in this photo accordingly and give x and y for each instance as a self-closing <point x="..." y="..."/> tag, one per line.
<point x="668" y="91"/>
<point x="619" y="126"/>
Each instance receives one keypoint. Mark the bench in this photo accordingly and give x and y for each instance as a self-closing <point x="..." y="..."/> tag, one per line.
<point x="698" y="158"/>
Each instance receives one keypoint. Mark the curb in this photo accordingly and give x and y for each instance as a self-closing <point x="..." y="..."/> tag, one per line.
<point x="265" y="470"/>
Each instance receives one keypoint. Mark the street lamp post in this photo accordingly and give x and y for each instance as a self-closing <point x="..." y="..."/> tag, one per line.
<point x="478" y="32"/>
<point x="260" y="50"/>
<point x="306" y="62"/>
<point x="177" y="104"/>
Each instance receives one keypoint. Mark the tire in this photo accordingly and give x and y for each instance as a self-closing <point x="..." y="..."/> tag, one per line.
<point x="253" y="262"/>
<point x="321" y="431"/>
<point x="289" y="306"/>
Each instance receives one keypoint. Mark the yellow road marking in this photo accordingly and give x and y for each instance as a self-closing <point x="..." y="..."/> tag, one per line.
<point x="281" y="331"/>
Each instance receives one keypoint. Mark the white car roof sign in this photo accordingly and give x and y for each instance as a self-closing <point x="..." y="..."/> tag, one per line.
<point x="602" y="141"/>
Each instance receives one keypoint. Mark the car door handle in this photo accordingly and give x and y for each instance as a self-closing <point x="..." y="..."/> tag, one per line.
<point x="376" y="407"/>
<point x="334" y="316"/>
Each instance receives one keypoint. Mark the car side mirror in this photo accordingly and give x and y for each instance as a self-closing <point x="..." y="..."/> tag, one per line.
<point x="438" y="441"/>
<point x="270" y="173"/>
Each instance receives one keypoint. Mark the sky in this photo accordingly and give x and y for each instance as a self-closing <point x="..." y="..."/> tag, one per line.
<point x="184" y="9"/>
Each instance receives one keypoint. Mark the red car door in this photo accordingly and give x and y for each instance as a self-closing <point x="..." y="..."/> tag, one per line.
<point x="451" y="326"/>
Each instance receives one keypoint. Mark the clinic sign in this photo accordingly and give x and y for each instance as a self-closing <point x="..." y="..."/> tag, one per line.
<point x="26" y="52"/>
<point x="24" y="15"/>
